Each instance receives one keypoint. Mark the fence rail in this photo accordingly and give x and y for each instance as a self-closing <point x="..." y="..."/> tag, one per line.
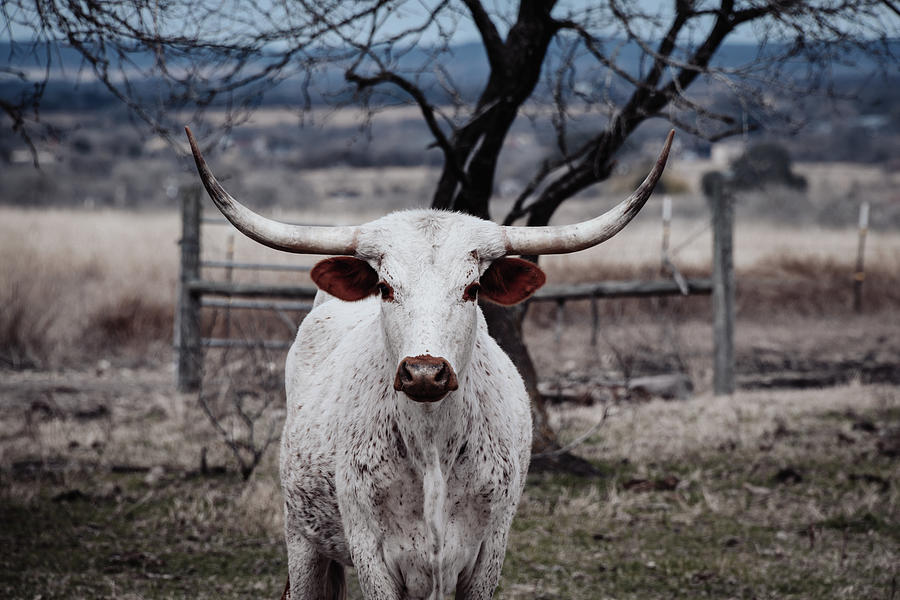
<point x="233" y="343"/>
<point x="256" y="304"/>
<point x="553" y="292"/>
<point x="202" y="287"/>
<point x="227" y="264"/>
<point x="622" y="289"/>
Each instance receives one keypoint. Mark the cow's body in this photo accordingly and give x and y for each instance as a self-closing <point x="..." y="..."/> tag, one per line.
<point x="418" y="496"/>
<point x="418" y="491"/>
<point x="408" y="430"/>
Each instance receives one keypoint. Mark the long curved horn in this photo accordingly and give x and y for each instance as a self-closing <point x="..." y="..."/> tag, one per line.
<point x="301" y="239"/>
<point x="578" y="236"/>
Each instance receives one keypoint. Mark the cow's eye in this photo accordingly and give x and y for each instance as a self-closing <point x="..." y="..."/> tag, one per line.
<point x="471" y="292"/>
<point x="386" y="291"/>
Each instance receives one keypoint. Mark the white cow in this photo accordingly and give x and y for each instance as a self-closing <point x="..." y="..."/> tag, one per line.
<point x="408" y="430"/>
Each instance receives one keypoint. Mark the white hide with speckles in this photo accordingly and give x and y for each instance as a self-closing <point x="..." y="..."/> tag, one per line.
<point x="418" y="497"/>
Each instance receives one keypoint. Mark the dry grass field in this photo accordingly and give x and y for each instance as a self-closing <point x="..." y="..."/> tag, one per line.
<point x="83" y="286"/>
<point x="105" y="494"/>
<point x="114" y="486"/>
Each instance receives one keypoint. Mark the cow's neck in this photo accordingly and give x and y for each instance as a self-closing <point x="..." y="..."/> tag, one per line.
<point x="432" y="437"/>
<point x="433" y="433"/>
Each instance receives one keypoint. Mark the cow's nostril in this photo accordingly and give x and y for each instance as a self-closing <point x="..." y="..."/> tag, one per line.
<point x="441" y="376"/>
<point x="404" y="377"/>
<point x="405" y="374"/>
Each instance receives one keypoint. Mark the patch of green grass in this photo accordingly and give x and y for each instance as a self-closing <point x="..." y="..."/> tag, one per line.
<point x="95" y="547"/>
<point x="550" y="487"/>
<point x="887" y="414"/>
<point x="862" y="523"/>
<point x="877" y="415"/>
<point x="732" y="528"/>
<point x="650" y="549"/>
<point x="745" y="522"/>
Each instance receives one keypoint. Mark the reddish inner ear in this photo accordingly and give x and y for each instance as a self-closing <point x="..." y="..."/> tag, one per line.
<point x="345" y="277"/>
<point x="511" y="280"/>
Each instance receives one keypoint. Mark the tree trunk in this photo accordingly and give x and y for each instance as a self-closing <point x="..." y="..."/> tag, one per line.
<point x="467" y="181"/>
<point x="505" y="326"/>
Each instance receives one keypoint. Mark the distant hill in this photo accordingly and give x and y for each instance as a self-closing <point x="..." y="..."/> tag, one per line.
<point x="73" y="86"/>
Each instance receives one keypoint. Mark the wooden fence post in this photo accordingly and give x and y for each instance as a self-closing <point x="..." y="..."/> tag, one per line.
<point x="229" y="276"/>
<point x="560" y="316"/>
<point x="721" y="204"/>
<point x="859" y="276"/>
<point x="666" y="231"/>
<point x="187" y="315"/>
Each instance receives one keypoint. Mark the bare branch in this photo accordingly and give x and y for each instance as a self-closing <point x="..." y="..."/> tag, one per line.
<point x="427" y="109"/>
<point x="490" y="37"/>
<point x="722" y="134"/>
<point x="892" y="6"/>
<point x="518" y="211"/>
<point x="590" y="43"/>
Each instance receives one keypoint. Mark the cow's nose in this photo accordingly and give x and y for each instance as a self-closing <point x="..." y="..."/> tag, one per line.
<point x="425" y="378"/>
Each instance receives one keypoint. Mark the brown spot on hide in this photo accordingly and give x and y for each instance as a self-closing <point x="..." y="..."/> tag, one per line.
<point x="401" y="445"/>
<point x="462" y="452"/>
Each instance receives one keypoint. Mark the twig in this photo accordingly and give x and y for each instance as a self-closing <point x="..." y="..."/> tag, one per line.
<point x="577" y="441"/>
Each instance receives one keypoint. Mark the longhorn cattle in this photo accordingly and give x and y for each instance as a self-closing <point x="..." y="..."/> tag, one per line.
<point x="408" y="430"/>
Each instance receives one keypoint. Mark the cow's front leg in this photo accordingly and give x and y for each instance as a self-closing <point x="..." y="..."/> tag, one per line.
<point x="311" y="576"/>
<point x="375" y="577"/>
<point x="365" y="541"/>
<point x="479" y="582"/>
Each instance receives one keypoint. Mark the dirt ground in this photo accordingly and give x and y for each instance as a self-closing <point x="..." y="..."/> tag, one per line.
<point x="114" y="486"/>
<point x="783" y="351"/>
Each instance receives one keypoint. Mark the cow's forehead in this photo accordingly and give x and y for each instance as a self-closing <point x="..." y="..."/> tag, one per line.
<point x="418" y="237"/>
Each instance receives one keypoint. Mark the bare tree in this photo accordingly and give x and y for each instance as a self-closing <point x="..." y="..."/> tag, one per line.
<point x="620" y="62"/>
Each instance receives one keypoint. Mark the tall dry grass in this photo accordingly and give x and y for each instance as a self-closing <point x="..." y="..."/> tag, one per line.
<point x="805" y="271"/>
<point x="79" y="286"/>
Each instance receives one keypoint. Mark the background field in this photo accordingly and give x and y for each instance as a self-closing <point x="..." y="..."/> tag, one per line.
<point x="112" y="485"/>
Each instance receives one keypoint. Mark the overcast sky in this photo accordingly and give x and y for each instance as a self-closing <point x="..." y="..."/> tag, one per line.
<point x="409" y="12"/>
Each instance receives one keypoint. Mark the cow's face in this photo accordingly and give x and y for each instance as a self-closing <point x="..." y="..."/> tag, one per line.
<point x="428" y="271"/>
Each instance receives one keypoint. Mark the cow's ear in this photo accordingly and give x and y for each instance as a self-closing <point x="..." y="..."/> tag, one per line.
<point x="345" y="277"/>
<point x="510" y="280"/>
